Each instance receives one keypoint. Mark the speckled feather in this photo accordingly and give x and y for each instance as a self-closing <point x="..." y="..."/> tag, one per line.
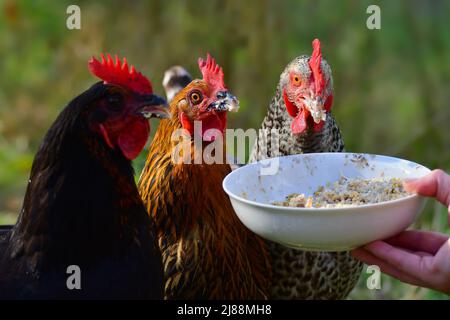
<point x="300" y="274"/>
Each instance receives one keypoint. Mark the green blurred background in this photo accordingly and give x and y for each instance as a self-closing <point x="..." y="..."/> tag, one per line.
<point x="391" y="85"/>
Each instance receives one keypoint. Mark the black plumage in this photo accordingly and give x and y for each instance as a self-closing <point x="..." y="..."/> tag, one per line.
<point x="81" y="208"/>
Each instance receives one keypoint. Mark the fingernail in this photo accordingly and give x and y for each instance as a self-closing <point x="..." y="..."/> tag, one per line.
<point x="407" y="184"/>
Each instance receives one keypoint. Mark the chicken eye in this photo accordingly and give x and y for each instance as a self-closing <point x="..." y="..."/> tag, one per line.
<point x="115" y="102"/>
<point x="296" y="80"/>
<point x="195" y="97"/>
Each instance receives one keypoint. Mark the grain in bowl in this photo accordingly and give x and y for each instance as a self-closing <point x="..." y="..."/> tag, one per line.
<point x="348" y="192"/>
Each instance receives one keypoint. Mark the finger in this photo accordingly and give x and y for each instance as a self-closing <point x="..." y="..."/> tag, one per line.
<point x="435" y="184"/>
<point x="368" y="258"/>
<point x="422" y="254"/>
<point x="418" y="253"/>
<point x="413" y="240"/>
<point x="400" y="259"/>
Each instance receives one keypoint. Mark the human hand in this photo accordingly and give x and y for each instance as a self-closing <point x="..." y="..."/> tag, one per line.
<point x="416" y="257"/>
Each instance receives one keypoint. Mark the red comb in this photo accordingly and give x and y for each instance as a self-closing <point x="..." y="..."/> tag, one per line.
<point x="314" y="64"/>
<point x="119" y="74"/>
<point x="212" y="73"/>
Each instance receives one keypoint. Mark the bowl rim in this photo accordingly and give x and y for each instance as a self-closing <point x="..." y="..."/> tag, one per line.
<point x="322" y="210"/>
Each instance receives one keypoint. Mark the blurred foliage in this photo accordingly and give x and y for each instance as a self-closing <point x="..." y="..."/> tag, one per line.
<point x="391" y="85"/>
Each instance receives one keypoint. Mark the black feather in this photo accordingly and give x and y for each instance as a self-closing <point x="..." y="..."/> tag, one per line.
<point x="81" y="208"/>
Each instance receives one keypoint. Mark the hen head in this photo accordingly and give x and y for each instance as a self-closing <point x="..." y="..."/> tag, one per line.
<point x="175" y="79"/>
<point x="203" y="104"/>
<point x="124" y="102"/>
<point x="307" y="89"/>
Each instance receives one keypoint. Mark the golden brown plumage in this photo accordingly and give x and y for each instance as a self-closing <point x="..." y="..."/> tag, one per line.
<point x="207" y="252"/>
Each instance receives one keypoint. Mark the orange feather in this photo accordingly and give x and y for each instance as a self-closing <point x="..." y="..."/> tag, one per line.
<point x="207" y="252"/>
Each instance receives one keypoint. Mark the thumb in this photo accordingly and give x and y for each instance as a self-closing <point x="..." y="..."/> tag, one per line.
<point x="436" y="184"/>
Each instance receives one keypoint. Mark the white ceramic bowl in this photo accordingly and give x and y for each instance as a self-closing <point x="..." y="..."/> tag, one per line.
<point x="253" y="187"/>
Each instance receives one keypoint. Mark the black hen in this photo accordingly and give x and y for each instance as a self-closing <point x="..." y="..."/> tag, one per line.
<point x="82" y="206"/>
<point x="4" y="237"/>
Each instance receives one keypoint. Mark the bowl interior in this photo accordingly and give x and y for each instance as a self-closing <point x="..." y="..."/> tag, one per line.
<point x="274" y="179"/>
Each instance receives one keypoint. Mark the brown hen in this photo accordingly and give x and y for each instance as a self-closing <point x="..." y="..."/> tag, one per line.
<point x="207" y="252"/>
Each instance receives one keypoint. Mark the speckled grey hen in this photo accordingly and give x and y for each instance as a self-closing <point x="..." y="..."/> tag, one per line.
<point x="299" y="120"/>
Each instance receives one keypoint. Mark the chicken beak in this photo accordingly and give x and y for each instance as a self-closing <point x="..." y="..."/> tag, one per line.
<point x="315" y="106"/>
<point x="225" y="102"/>
<point x="153" y="106"/>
